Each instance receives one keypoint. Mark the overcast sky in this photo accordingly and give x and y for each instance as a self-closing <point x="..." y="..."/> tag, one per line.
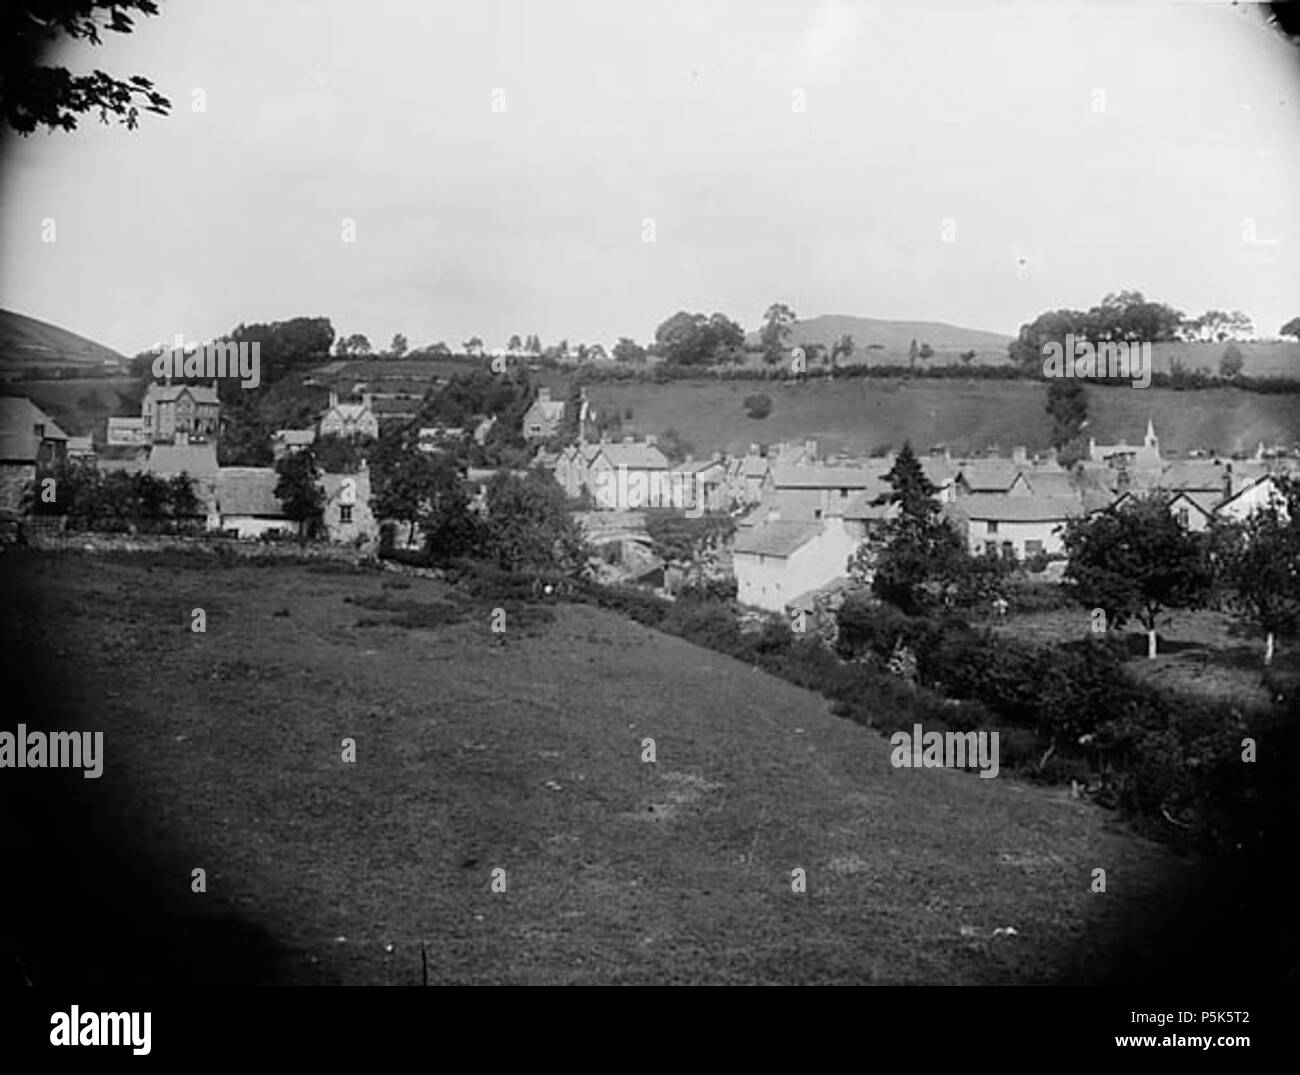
<point x="1112" y="145"/>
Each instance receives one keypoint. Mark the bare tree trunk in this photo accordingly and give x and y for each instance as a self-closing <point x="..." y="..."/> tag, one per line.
<point x="1268" y="649"/>
<point x="1151" y="643"/>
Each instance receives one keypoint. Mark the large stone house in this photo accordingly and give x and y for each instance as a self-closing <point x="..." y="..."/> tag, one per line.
<point x="349" y="419"/>
<point x="189" y="410"/>
<point x="543" y="418"/>
<point x="29" y="440"/>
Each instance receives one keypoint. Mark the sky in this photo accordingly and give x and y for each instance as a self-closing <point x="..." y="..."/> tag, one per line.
<point x="583" y="170"/>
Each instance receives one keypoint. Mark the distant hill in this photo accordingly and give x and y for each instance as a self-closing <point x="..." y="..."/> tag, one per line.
<point x="31" y="346"/>
<point x="894" y="337"/>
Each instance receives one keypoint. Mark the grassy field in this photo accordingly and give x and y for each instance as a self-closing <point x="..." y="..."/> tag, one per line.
<point x="1202" y="654"/>
<point x="521" y="752"/>
<point x="855" y="416"/>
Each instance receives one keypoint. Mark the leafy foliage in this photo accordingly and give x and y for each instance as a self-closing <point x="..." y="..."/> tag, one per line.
<point x="33" y="94"/>
<point x="1135" y="561"/>
<point x="695" y="340"/>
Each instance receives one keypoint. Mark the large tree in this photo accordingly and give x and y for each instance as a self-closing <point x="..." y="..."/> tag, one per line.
<point x="1135" y="561"/>
<point x="917" y="556"/>
<point x="35" y="94"/>
<point x="628" y="350"/>
<point x="693" y="340"/>
<point x="1291" y="328"/>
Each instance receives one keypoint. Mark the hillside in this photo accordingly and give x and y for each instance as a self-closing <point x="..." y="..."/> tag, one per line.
<point x="855" y="416"/>
<point x="521" y="753"/>
<point x="29" y="344"/>
<point x="894" y="337"/>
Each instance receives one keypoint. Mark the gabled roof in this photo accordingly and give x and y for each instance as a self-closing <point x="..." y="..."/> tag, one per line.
<point x="989" y="475"/>
<point x="779" y="538"/>
<point x="753" y="466"/>
<point x="1021" y="509"/>
<point x="1267" y="479"/>
<point x="19" y="418"/>
<point x="634" y="456"/>
<point x="169" y="393"/>
<point x="1202" y="502"/>
<point x="552" y="410"/>
<point x="940" y="472"/>
<point x="196" y="460"/>
<point x="248" y="491"/>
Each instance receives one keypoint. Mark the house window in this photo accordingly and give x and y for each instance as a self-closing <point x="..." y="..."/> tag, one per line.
<point x="817" y="514"/>
<point x="844" y="494"/>
<point x="1033" y="547"/>
<point x="1008" y="549"/>
<point x="1183" y="517"/>
<point x="993" y="526"/>
<point x="345" y="514"/>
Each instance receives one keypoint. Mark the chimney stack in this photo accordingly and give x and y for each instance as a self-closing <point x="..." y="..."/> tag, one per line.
<point x="1019" y="454"/>
<point x="334" y="398"/>
<point x="1227" y="481"/>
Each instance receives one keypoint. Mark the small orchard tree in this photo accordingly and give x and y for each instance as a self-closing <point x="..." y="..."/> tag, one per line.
<point x="1136" y="562"/>
<point x="1260" y="566"/>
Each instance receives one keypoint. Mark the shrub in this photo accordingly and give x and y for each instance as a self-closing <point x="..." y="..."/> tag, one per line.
<point x="758" y="406"/>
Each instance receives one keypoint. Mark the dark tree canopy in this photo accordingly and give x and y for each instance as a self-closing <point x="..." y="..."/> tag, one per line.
<point x="34" y="94"/>
<point x="695" y="340"/>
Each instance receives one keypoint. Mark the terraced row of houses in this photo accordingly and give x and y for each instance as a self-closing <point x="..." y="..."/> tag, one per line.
<point x="812" y="515"/>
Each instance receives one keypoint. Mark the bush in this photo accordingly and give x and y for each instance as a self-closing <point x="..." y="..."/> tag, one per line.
<point x="707" y="623"/>
<point x="758" y="406"/>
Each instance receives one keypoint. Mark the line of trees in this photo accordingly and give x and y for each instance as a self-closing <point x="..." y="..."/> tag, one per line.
<point x="115" y="501"/>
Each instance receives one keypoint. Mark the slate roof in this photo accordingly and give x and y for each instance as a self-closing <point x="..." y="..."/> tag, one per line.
<point x="814" y="476"/>
<point x="248" y="491"/>
<point x="19" y="418"/>
<point x="635" y="456"/>
<point x="1050" y="483"/>
<point x="196" y="460"/>
<point x="168" y="393"/>
<point x="989" y="475"/>
<point x="779" y="538"/>
<point x="1200" y="474"/>
<point x="1021" y="509"/>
